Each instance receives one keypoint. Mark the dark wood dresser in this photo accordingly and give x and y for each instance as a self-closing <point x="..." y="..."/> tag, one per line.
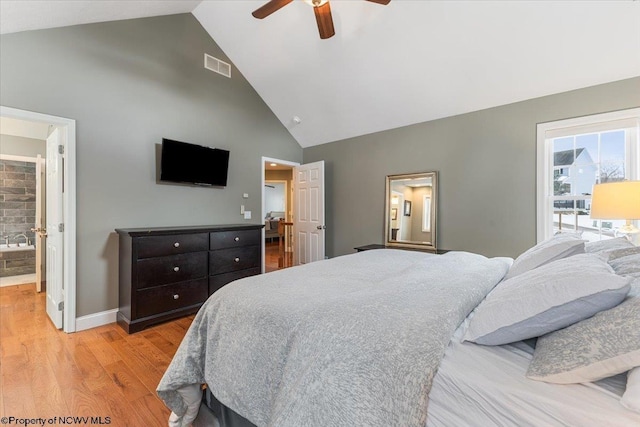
<point x="168" y="272"/>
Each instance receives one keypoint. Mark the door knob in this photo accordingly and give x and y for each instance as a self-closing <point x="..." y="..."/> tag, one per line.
<point x="176" y="269"/>
<point x="321" y="227"/>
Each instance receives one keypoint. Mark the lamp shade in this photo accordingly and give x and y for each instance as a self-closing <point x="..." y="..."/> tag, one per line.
<point x="616" y="200"/>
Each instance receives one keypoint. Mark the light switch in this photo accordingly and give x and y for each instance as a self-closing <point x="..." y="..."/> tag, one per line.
<point x="241" y="209"/>
<point x="245" y="195"/>
<point x="247" y="214"/>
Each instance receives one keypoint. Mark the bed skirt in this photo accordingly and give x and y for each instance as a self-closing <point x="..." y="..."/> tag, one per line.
<point x="226" y="417"/>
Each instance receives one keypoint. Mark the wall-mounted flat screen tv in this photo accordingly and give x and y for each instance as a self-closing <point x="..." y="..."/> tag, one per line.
<point x="193" y="164"/>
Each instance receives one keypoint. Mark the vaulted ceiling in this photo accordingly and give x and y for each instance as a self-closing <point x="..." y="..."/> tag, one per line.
<point x="395" y="65"/>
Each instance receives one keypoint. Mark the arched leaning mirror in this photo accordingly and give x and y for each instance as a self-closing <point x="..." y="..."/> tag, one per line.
<point x="410" y="210"/>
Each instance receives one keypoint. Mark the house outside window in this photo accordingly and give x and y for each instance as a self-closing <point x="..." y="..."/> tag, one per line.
<point x="572" y="156"/>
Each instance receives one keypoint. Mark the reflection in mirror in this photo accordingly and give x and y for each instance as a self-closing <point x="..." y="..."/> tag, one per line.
<point x="410" y="210"/>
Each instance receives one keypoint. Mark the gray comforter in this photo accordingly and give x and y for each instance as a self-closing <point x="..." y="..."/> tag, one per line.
<point x="351" y="341"/>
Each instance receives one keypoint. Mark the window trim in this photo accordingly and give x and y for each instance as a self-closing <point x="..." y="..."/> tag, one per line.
<point x="629" y="118"/>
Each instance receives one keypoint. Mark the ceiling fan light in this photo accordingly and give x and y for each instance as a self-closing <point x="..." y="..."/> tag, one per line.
<point x="316" y="3"/>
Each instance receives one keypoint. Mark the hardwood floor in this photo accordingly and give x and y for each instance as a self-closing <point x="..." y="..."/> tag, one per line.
<point x="100" y="372"/>
<point x="271" y="256"/>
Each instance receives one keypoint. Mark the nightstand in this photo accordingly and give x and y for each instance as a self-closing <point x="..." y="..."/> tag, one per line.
<point x="377" y="246"/>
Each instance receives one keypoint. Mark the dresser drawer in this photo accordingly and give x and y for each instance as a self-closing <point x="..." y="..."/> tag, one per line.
<point x="234" y="239"/>
<point x="171" y="269"/>
<point x="219" y="280"/>
<point x="170" y="297"/>
<point x="153" y="246"/>
<point x="227" y="260"/>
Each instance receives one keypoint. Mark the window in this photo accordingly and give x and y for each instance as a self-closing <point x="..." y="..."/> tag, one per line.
<point x="426" y="214"/>
<point x="573" y="156"/>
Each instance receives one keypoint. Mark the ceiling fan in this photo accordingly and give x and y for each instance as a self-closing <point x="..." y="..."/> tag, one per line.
<point x="321" y="9"/>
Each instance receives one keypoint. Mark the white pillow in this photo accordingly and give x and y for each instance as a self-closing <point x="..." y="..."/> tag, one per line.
<point x="607" y="245"/>
<point x="557" y="247"/>
<point x="546" y="299"/>
<point x="604" y="345"/>
<point x="631" y="397"/>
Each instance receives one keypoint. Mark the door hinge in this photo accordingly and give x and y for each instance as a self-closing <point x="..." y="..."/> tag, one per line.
<point x="61" y="306"/>
<point x="61" y="149"/>
<point x="61" y="227"/>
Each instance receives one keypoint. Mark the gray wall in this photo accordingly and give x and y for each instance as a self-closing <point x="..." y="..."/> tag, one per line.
<point x="128" y="84"/>
<point x="487" y="171"/>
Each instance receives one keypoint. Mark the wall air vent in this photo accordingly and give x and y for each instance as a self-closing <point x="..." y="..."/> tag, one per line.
<point x="217" y="65"/>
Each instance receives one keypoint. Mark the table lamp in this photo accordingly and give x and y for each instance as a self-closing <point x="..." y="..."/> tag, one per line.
<point x="617" y="200"/>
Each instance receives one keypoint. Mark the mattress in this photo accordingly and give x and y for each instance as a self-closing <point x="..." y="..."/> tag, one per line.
<point x="480" y="385"/>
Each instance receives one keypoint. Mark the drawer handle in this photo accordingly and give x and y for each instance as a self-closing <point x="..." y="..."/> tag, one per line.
<point x="176" y="296"/>
<point x="237" y="239"/>
<point x="237" y="259"/>
<point x="176" y="269"/>
<point x="176" y="245"/>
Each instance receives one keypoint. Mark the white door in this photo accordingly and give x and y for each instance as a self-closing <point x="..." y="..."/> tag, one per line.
<point x="54" y="220"/>
<point x="308" y="216"/>
<point x="39" y="225"/>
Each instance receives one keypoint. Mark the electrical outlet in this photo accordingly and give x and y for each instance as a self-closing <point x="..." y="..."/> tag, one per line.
<point x="247" y="214"/>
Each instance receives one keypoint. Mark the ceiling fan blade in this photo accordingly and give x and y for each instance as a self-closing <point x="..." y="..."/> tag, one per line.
<point x="269" y="8"/>
<point x="324" y="20"/>
<point x="385" y="2"/>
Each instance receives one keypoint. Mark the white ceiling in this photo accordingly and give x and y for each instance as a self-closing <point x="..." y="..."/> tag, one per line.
<point x="395" y="65"/>
<point x="26" y="129"/>
<point x="24" y="15"/>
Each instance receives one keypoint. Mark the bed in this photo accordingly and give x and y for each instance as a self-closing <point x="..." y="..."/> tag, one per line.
<point x="392" y="337"/>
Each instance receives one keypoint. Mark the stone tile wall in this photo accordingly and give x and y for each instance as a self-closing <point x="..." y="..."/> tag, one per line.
<point x="17" y="214"/>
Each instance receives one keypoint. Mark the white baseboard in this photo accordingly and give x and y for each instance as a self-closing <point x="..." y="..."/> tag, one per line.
<point x="17" y="280"/>
<point x="97" y="319"/>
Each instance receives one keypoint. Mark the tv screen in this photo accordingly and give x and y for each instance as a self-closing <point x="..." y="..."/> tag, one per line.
<point x="193" y="164"/>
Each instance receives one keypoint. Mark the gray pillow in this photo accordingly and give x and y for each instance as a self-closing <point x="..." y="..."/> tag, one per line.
<point x="607" y="245"/>
<point x="546" y="299"/>
<point x="625" y="262"/>
<point x="604" y="345"/>
<point x="557" y="247"/>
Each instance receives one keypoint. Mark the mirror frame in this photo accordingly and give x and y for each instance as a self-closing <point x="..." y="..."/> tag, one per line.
<point x="434" y="211"/>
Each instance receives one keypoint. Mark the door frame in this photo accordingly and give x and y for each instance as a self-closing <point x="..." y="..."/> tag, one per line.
<point x="68" y="206"/>
<point x="262" y="196"/>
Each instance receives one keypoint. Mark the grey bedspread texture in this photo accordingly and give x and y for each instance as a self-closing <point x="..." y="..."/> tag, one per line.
<point x="351" y="341"/>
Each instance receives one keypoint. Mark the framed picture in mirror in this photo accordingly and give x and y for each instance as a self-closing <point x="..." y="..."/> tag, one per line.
<point x="407" y="208"/>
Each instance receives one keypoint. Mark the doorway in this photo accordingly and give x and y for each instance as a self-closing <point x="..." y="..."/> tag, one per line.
<point x="303" y="241"/>
<point x="22" y="206"/>
<point x="61" y="244"/>
<point x="277" y="213"/>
